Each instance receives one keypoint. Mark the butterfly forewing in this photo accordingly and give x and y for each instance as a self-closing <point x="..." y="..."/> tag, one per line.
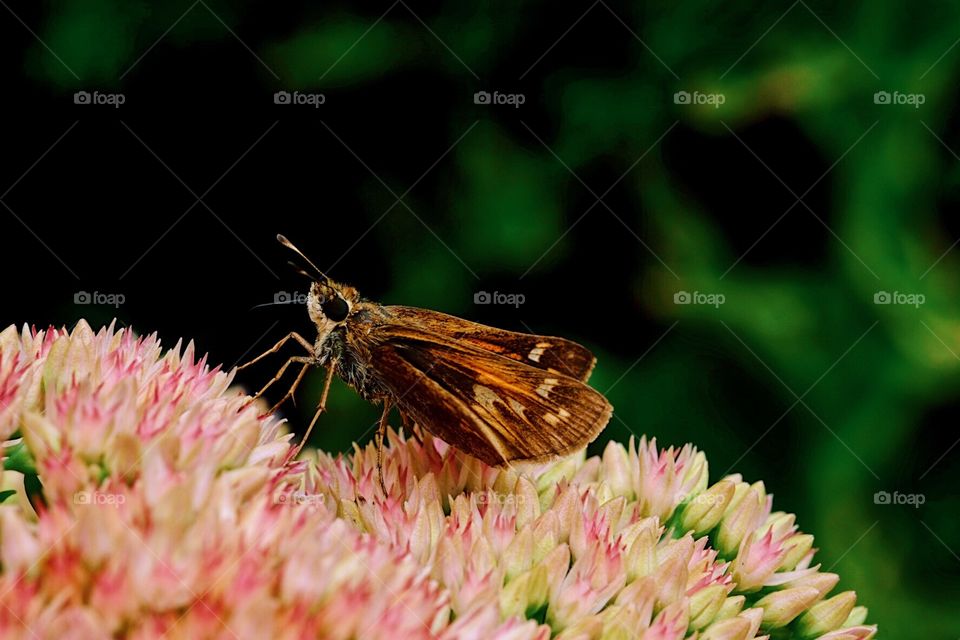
<point x="496" y="408"/>
<point x="542" y="352"/>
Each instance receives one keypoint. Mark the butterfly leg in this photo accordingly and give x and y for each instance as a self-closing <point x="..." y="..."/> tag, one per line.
<point x="293" y="335"/>
<point x="321" y="406"/>
<point x="296" y="383"/>
<point x="381" y="434"/>
<point x="306" y="363"/>
<point x="411" y="428"/>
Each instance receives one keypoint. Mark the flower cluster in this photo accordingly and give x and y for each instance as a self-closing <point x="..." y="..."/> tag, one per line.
<point x="142" y="497"/>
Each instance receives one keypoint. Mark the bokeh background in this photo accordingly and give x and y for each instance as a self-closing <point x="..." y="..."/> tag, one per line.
<point x="789" y="169"/>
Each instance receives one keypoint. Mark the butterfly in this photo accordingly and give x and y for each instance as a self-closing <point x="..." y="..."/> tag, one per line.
<point x="500" y="396"/>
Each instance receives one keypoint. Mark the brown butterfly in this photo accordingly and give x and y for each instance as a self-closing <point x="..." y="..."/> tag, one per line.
<point x="497" y="395"/>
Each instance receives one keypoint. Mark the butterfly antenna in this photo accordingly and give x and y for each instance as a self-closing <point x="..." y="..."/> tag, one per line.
<point x="289" y="245"/>
<point x="299" y="269"/>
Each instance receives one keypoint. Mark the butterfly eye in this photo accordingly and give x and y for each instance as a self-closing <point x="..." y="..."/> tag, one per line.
<point x="336" y="308"/>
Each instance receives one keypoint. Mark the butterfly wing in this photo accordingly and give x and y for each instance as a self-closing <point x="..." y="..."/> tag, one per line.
<point x="491" y="406"/>
<point x="549" y="353"/>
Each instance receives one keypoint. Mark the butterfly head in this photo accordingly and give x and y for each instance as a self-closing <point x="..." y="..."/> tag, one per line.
<point x="329" y="303"/>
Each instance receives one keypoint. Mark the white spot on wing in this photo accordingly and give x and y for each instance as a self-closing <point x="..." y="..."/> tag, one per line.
<point x="535" y="353"/>
<point x="548" y="384"/>
<point x="485" y="397"/>
<point x="551" y="419"/>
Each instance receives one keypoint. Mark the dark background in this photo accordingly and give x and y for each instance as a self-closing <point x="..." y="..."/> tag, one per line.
<point x="798" y="199"/>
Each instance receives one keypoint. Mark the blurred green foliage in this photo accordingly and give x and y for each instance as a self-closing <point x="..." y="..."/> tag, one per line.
<point x="867" y="376"/>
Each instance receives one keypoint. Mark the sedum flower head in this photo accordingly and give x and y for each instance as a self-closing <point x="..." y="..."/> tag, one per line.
<point x="142" y="499"/>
